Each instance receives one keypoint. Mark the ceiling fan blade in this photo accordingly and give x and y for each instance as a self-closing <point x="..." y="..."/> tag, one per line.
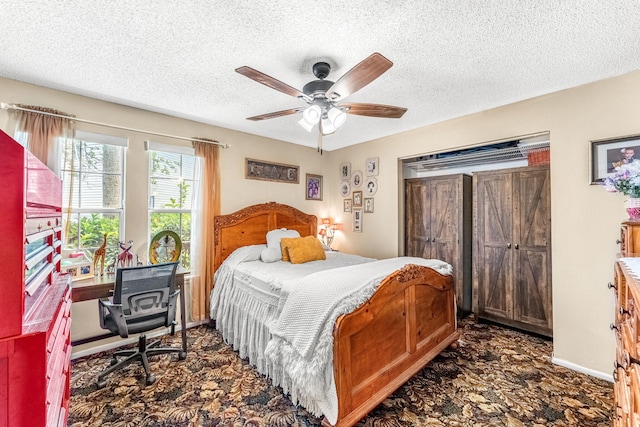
<point x="374" y="110"/>
<point x="276" y="114"/>
<point x="269" y="81"/>
<point x="359" y="76"/>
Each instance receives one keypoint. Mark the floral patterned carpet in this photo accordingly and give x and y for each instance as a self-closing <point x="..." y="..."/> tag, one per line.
<point x="498" y="377"/>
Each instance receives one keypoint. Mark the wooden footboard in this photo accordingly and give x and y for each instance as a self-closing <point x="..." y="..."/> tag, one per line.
<point x="407" y="322"/>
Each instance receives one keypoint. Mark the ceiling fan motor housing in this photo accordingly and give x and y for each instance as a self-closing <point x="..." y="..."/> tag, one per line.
<point x="321" y="70"/>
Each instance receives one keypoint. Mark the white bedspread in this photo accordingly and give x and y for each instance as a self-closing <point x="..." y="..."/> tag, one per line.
<point x="281" y="315"/>
<point x="301" y="348"/>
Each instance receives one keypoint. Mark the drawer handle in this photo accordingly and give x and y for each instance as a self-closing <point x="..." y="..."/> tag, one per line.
<point x="508" y="245"/>
<point x="611" y="285"/>
<point x="618" y="241"/>
<point x="624" y="312"/>
<point x="613" y="327"/>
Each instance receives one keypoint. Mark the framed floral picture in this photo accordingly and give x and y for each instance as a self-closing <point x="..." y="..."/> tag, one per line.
<point x="313" y="187"/>
<point x="345" y="170"/>
<point x="346" y="205"/>
<point x="607" y="154"/>
<point x="372" y="166"/>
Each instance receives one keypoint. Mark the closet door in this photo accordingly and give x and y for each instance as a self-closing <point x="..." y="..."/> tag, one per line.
<point x="493" y="278"/>
<point x="438" y="219"/>
<point x="444" y="219"/>
<point x="417" y="218"/>
<point x="532" y="244"/>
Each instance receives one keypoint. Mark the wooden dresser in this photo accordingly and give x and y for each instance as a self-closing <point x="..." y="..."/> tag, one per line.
<point x="35" y="350"/>
<point x="627" y="327"/>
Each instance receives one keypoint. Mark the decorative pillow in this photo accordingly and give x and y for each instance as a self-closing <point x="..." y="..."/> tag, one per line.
<point x="275" y="236"/>
<point x="303" y="249"/>
<point x="270" y="255"/>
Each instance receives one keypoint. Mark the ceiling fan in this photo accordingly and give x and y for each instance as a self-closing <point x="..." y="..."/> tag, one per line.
<point x="325" y="97"/>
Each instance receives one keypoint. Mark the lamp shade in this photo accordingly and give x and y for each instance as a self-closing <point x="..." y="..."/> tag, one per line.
<point x="327" y="127"/>
<point x="305" y="124"/>
<point x="337" y="117"/>
<point x="312" y="114"/>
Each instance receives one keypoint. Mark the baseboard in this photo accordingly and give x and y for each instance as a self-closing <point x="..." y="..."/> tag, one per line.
<point x="582" y="369"/>
<point x="131" y="340"/>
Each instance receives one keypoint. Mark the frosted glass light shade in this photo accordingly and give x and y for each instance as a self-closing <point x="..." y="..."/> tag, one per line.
<point x="337" y="117"/>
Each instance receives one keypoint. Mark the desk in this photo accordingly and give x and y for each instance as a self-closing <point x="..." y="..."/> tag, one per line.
<point x="102" y="287"/>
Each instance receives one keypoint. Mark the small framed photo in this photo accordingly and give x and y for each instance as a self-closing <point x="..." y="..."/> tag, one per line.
<point x="373" y="166"/>
<point x="345" y="170"/>
<point x="368" y="205"/>
<point x="370" y="186"/>
<point x="356" y="179"/>
<point x="346" y="205"/>
<point x="608" y="154"/>
<point x="357" y="199"/>
<point x="357" y="220"/>
<point x="345" y="188"/>
<point x="313" y="187"/>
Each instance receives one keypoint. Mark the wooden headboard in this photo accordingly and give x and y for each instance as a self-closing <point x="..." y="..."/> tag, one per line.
<point x="249" y="226"/>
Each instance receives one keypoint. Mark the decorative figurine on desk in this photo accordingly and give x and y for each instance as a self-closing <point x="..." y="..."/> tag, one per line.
<point x="125" y="259"/>
<point x="111" y="269"/>
<point x="99" y="255"/>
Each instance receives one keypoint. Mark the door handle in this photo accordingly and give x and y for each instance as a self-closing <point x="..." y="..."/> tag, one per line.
<point x="508" y="245"/>
<point x="517" y="246"/>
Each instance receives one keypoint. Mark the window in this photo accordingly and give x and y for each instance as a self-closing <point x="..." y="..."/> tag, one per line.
<point x="93" y="182"/>
<point x="171" y="179"/>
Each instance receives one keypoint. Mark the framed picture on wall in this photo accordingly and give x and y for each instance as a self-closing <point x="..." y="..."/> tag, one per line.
<point x="368" y="205"/>
<point x="607" y="154"/>
<point x="372" y="166"/>
<point x="345" y="170"/>
<point x="313" y="187"/>
<point x="346" y="205"/>
<point x="357" y="199"/>
<point x="357" y="220"/>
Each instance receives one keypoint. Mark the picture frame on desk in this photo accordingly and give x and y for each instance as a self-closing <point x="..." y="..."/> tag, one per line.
<point x="77" y="268"/>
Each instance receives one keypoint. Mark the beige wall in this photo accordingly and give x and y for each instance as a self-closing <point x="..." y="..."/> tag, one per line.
<point x="585" y="219"/>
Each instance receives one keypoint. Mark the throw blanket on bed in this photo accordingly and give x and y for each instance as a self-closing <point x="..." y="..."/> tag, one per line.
<point x="301" y="348"/>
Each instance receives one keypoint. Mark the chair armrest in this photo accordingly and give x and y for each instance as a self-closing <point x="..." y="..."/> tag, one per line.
<point x="171" y="309"/>
<point x="116" y="314"/>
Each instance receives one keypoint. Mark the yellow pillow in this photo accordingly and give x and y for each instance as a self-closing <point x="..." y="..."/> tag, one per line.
<point x="302" y="249"/>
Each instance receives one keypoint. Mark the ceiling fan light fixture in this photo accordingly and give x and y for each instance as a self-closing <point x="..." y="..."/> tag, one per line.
<point x="337" y="117"/>
<point x="312" y="114"/>
<point x="305" y="124"/>
<point x="327" y="127"/>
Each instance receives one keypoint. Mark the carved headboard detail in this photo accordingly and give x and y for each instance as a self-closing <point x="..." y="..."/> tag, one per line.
<point x="249" y="226"/>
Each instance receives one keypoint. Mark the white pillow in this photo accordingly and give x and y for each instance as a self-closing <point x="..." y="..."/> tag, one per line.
<point x="274" y="237"/>
<point x="270" y="255"/>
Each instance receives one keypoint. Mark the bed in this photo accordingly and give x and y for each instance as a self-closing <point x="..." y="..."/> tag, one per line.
<point x="407" y="320"/>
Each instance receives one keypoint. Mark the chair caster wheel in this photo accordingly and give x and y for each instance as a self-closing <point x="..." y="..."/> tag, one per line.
<point x="182" y="355"/>
<point x="150" y="379"/>
<point x="113" y="361"/>
<point x="101" y="384"/>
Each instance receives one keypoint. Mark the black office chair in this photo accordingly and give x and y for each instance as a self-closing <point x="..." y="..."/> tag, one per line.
<point x="144" y="299"/>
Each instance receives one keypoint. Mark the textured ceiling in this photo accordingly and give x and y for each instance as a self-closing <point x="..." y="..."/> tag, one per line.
<point x="451" y="58"/>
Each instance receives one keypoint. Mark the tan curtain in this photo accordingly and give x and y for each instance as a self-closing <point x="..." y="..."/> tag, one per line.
<point x="206" y="205"/>
<point x="41" y="133"/>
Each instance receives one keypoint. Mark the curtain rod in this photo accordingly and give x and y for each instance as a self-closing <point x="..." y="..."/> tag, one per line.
<point x="6" y="106"/>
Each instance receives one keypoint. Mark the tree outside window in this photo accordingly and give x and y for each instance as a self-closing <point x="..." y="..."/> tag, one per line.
<point x="170" y="190"/>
